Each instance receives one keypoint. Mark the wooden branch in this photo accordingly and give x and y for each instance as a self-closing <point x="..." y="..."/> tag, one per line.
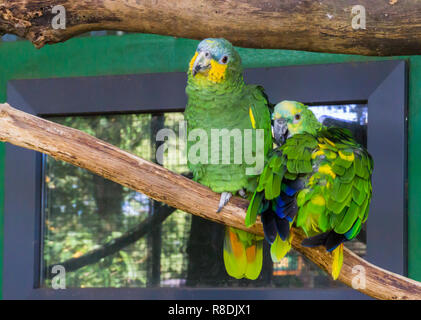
<point x="392" y="27"/>
<point x="102" y="158"/>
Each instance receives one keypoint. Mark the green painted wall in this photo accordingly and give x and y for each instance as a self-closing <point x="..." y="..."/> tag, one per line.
<point x="139" y="53"/>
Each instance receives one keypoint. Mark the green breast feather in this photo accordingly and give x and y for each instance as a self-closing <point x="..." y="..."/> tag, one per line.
<point x="242" y="109"/>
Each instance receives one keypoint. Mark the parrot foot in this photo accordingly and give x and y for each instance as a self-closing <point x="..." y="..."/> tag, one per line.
<point x="242" y="193"/>
<point x="225" y="197"/>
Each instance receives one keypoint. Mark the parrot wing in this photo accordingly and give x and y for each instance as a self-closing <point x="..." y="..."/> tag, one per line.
<point x="243" y="251"/>
<point x="335" y="202"/>
<point x="280" y="179"/>
<point x="322" y="183"/>
<point x="259" y="113"/>
<point x="275" y="196"/>
<point x="338" y="191"/>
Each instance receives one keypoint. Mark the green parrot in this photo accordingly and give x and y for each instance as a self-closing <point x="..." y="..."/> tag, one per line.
<point x="218" y="99"/>
<point x="319" y="178"/>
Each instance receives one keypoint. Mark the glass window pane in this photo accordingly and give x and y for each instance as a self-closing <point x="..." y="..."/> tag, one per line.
<point x="84" y="211"/>
<point x="86" y="217"/>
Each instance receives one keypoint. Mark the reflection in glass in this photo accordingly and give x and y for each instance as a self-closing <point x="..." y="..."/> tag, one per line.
<point x="84" y="211"/>
<point x="85" y="214"/>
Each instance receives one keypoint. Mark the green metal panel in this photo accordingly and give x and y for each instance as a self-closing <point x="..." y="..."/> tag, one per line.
<point x="140" y="53"/>
<point x="414" y="169"/>
<point x="2" y="156"/>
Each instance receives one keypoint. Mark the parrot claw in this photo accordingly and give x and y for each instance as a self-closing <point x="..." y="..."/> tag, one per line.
<point x="242" y="193"/>
<point x="225" y="197"/>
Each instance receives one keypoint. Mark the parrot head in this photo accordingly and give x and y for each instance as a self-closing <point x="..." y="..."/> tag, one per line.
<point x="290" y="118"/>
<point x="215" y="61"/>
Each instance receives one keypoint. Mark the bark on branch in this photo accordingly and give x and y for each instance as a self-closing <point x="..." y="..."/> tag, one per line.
<point x="392" y="27"/>
<point x="85" y="151"/>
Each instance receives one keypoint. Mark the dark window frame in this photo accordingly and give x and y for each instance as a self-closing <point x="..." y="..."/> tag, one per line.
<point x="382" y="85"/>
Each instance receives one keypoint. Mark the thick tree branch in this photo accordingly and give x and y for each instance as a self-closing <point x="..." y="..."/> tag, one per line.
<point x="102" y="158"/>
<point x="392" y="27"/>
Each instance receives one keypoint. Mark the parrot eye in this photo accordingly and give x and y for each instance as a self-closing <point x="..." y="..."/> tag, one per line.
<point x="297" y="117"/>
<point x="207" y="54"/>
<point x="224" y="59"/>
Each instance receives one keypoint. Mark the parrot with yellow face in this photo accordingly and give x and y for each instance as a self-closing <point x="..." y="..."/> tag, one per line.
<point x="319" y="179"/>
<point x="219" y="99"/>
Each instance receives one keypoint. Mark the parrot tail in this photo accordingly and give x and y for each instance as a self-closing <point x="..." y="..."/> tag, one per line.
<point x="333" y="242"/>
<point x="277" y="220"/>
<point x="243" y="254"/>
<point x="273" y="226"/>
<point x="338" y="258"/>
<point x="280" y="248"/>
<point x="330" y="240"/>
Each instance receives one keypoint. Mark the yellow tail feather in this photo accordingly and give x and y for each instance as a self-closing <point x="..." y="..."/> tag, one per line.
<point x="338" y="258"/>
<point x="280" y="248"/>
<point x="242" y="259"/>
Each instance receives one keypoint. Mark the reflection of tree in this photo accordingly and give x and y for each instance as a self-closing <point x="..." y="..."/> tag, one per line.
<point x="154" y="239"/>
<point x="204" y="250"/>
<point x="107" y="194"/>
<point x="148" y="226"/>
<point x="88" y="217"/>
<point x="108" y="199"/>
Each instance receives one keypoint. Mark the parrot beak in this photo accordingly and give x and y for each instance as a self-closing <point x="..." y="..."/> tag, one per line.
<point x="202" y="63"/>
<point x="280" y="131"/>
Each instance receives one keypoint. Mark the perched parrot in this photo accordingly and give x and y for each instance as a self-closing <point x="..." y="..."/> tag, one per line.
<point x="218" y="98"/>
<point x="319" y="178"/>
